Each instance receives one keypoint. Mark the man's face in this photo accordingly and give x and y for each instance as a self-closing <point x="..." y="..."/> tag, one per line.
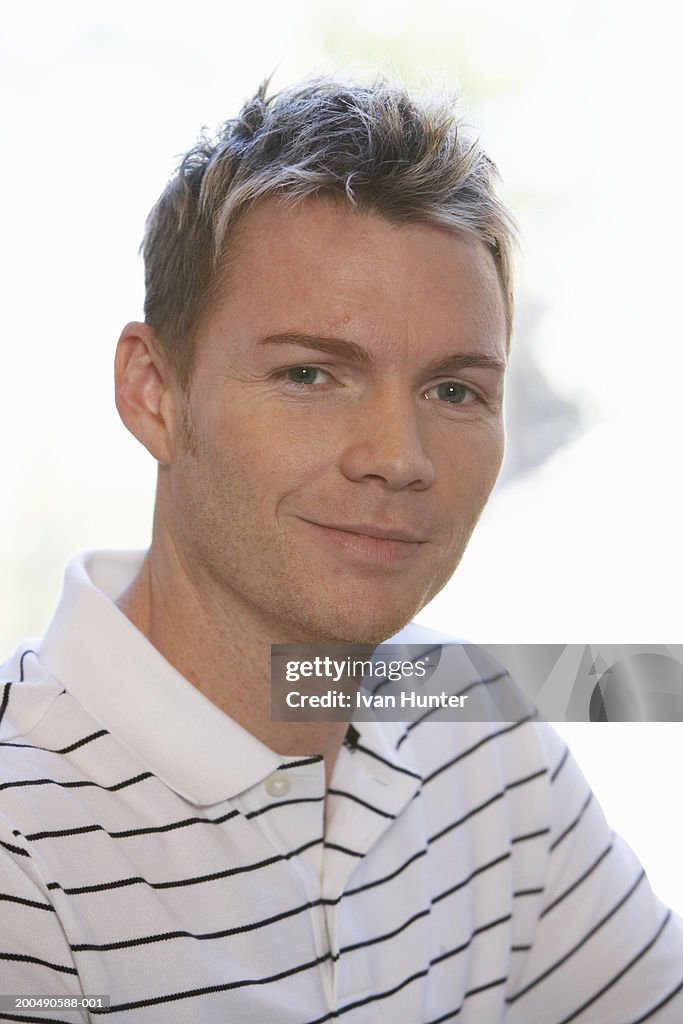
<point x="343" y="422"/>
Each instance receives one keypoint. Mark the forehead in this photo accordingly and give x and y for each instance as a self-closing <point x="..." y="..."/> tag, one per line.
<point x="324" y="265"/>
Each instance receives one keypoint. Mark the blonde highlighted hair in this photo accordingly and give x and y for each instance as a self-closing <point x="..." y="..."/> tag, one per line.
<point x="403" y="155"/>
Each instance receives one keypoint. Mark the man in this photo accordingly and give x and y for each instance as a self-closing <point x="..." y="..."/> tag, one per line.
<point x="320" y="380"/>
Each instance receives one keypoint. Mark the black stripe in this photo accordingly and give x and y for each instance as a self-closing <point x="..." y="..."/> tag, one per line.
<point x="387" y="935"/>
<point x="563" y="760"/>
<point x="172" y="997"/>
<point x="15" y="849"/>
<point x="582" y="942"/>
<point x="622" y="972"/>
<point x="225" y="933"/>
<point x="574" y="823"/>
<point x="79" y="830"/>
<point x="284" y="803"/>
<point x="432" y="963"/>
<point x="402" y="739"/>
<point x="411" y="860"/>
<point x="183" y="823"/>
<point x="447" y="1016"/>
<point x="127" y="833"/>
<point x="199" y="936"/>
<point x="389" y="877"/>
<point x="26" y="903"/>
<point x="370" y="999"/>
<point x="470" y="814"/>
<point x="470" y="750"/>
<point x="82" y="743"/>
<point x="484" y="988"/>
<point x="62" y="750"/>
<point x="470" y="992"/>
<point x="460" y="693"/>
<point x="530" y="835"/>
<point x="78" y="784"/>
<point x="416" y="917"/>
<point x="582" y="878"/>
<point x="401" y="985"/>
<point x="526" y="778"/>
<point x="8" y="685"/>
<point x="420" y="974"/>
<point x="19" y="957"/>
<point x="5" y="699"/>
<point x="477" y="871"/>
<point x="528" y="892"/>
<point x="363" y="803"/>
<point x="28" y="651"/>
<point x="660" y="1004"/>
<point x="465" y="945"/>
<point x="343" y="849"/>
<point x="389" y="764"/>
<point x="315" y="759"/>
<point x="487" y="803"/>
<point x="135" y="880"/>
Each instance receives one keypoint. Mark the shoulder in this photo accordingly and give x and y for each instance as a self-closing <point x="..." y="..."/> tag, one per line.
<point x="503" y="734"/>
<point x="27" y="692"/>
<point x="42" y="733"/>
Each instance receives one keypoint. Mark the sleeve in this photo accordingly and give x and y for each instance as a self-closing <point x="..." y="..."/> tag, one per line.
<point x="604" y="949"/>
<point x="35" y="958"/>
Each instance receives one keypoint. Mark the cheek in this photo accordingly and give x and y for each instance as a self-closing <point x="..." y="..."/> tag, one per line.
<point x="471" y="462"/>
<point x="264" y="433"/>
<point x="250" y="463"/>
<point x="492" y="457"/>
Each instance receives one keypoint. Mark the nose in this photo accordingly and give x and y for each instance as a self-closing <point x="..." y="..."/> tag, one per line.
<point x="383" y="441"/>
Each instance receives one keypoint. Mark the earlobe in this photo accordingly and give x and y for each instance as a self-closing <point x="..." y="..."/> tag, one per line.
<point x="143" y="390"/>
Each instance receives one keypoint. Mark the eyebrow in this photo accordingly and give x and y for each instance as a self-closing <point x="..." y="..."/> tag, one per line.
<point x="321" y="343"/>
<point x="464" y="360"/>
<point x="350" y="350"/>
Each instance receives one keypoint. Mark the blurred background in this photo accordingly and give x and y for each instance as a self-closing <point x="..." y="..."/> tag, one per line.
<point x="578" y="103"/>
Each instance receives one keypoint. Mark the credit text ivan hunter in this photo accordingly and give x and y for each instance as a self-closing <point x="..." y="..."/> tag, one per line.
<point x="340" y="699"/>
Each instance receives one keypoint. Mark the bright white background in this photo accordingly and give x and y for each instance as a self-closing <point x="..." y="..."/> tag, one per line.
<point x="578" y="101"/>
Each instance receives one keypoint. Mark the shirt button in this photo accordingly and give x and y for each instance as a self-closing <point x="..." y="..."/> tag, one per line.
<point x="278" y="784"/>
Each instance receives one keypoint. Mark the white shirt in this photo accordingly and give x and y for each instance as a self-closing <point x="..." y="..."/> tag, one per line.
<point x="154" y="851"/>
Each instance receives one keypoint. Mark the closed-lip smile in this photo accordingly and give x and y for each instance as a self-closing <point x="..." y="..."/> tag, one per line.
<point x="371" y="530"/>
<point x="368" y="543"/>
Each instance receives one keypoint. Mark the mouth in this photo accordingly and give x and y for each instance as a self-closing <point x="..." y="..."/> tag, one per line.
<point x="376" y="532"/>
<point x="369" y="541"/>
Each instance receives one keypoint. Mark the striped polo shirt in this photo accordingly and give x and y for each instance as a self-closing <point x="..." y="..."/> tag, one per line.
<point x="153" y="851"/>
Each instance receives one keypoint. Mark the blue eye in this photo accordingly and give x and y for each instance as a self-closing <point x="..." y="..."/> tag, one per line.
<point x="303" y="374"/>
<point x="452" y="392"/>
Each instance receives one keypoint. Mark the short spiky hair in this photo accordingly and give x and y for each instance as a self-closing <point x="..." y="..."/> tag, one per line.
<point x="383" y="149"/>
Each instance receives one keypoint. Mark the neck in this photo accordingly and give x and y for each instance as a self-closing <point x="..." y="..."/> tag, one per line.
<point x="219" y="648"/>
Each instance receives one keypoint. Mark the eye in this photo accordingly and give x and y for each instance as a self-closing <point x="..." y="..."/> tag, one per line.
<point x="452" y="393"/>
<point x="307" y="375"/>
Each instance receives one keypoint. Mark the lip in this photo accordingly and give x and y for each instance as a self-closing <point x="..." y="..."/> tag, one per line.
<point x="370" y="530"/>
<point x="368" y="542"/>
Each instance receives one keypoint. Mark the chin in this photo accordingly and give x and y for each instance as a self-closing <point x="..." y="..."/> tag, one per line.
<point x="356" y="627"/>
<point x="358" y="613"/>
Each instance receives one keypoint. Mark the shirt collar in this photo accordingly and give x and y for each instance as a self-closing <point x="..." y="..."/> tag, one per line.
<point x="126" y="685"/>
<point x="123" y="681"/>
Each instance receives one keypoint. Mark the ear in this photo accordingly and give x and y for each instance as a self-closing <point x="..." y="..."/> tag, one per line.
<point x="146" y="390"/>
